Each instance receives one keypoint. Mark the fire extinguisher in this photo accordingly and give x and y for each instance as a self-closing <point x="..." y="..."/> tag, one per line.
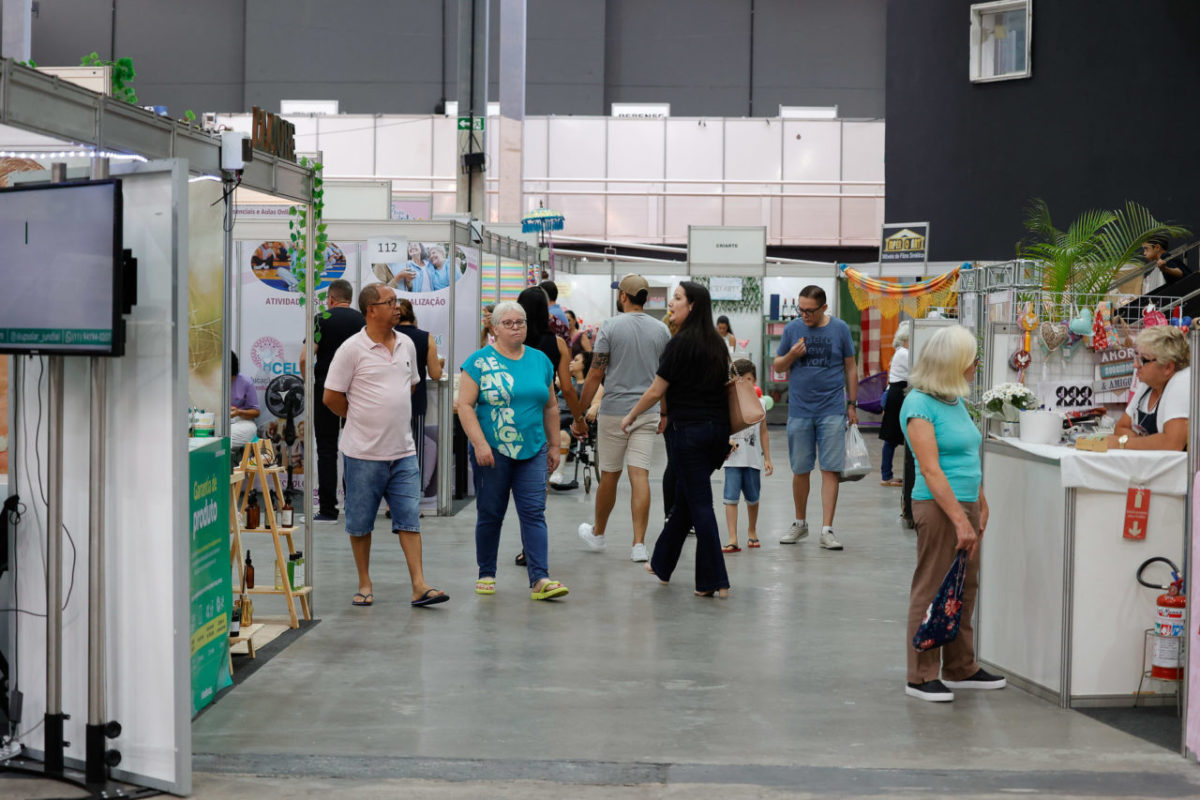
<point x="1166" y="663"/>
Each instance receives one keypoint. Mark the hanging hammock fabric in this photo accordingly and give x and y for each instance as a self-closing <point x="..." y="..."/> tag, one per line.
<point x="890" y="298"/>
<point x="541" y="220"/>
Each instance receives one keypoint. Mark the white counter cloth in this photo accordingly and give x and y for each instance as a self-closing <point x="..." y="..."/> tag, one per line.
<point x="1160" y="471"/>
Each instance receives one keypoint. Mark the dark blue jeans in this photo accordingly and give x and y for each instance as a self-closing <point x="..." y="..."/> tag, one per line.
<point x="526" y="481"/>
<point x="885" y="463"/>
<point x="696" y="449"/>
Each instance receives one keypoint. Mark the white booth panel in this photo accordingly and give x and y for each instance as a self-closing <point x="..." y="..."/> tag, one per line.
<point x="752" y="149"/>
<point x="748" y="211"/>
<point x="861" y="220"/>
<point x="404" y="146"/>
<point x="591" y="297"/>
<point x="634" y="217"/>
<point x="812" y="151"/>
<point x="535" y="132"/>
<point x="680" y="212"/>
<point x="1021" y="632"/>
<point x="445" y="163"/>
<point x="349" y="142"/>
<point x="576" y="149"/>
<point x="307" y="140"/>
<point x="862" y="151"/>
<point x="1110" y="608"/>
<point x="358" y="200"/>
<point x="636" y="148"/>
<point x="809" y="220"/>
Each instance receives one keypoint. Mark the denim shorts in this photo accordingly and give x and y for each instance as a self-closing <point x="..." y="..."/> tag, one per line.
<point x="369" y="482"/>
<point x="813" y="437"/>
<point x="742" y="481"/>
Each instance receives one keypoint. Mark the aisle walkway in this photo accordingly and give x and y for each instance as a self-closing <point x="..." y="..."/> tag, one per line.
<point x="795" y="683"/>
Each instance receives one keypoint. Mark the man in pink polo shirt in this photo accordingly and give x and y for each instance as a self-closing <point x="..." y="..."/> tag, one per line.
<point x="370" y="383"/>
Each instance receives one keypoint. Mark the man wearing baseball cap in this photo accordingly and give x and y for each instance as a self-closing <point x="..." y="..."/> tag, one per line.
<point x="625" y="356"/>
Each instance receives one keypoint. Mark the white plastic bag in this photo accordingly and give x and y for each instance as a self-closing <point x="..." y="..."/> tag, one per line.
<point x="858" y="460"/>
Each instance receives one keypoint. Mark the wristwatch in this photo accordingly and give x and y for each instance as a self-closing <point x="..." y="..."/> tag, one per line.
<point x="1121" y="440"/>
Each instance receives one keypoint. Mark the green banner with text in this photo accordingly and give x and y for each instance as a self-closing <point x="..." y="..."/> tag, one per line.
<point x="211" y="581"/>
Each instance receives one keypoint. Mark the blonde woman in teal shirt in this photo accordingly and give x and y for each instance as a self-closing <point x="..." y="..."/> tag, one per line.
<point x="948" y="507"/>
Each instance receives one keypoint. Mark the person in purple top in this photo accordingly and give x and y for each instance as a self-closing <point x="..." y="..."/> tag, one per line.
<point x="243" y="401"/>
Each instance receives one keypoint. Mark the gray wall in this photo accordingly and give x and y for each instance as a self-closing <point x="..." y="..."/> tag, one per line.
<point x="400" y="56"/>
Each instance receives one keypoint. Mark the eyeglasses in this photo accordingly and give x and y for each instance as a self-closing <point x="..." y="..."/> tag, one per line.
<point x="515" y="324"/>
<point x="1141" y="359"/>
<point x="808" y="312"/>
<point x="391" y="302"/>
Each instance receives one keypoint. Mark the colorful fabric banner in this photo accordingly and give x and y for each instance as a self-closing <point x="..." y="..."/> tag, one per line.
<point x="891" y="298"/>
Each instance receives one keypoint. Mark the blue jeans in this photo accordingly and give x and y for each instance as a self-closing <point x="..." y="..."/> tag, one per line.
<point x="368" y="482"/>
<point x="526" y="480"/>
<point x="885" y="465"/>
<point x="696" y="450"/>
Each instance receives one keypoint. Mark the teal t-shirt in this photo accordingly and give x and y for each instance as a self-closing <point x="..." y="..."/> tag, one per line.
<point x="958" y="443"/>
<point x="512" y="394"/>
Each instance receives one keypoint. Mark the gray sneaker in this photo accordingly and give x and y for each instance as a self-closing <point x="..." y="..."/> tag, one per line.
<point x="796" y="532"/>
<point x="828" y="541"/>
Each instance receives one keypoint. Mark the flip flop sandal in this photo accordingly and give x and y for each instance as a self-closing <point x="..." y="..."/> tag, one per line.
<point x="549" y="591"/>
<point x="752" y="543"/>
<point x="731" y="548"/>
<point x="430" y="599"/>
<point x="485" y="586"/>
<point x="368" y="599"/>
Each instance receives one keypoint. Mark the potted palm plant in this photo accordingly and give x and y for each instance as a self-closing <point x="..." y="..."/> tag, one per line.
<point x="1079" y="265"/>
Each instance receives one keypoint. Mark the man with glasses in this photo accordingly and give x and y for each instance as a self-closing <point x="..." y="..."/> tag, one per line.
<point x="817" y="354"/>
<point x="370" y="384"/>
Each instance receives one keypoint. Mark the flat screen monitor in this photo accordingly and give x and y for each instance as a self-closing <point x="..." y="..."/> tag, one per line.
<point x="60" y="269"/>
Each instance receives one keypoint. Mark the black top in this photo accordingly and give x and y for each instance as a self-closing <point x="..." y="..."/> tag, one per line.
<point x="693" y="395"/>
<point x="548" y="345"/>
<point x="342" y="323"/>
<point x="420" y="340"/>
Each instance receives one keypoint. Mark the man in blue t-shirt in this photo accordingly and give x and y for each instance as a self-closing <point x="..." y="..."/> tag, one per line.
<point x="817" y="354"/>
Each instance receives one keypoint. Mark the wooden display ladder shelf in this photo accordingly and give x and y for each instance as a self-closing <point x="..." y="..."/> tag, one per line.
<point x="253" y="465"/>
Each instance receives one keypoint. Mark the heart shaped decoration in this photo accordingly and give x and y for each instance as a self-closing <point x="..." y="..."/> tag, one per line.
<point x="1053" y="335"/>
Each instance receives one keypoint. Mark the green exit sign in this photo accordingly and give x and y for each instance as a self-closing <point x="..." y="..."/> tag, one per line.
<point x="464" y="123"/>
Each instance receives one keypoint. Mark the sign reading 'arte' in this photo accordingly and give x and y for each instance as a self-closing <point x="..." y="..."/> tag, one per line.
<point x="904" y="243"/>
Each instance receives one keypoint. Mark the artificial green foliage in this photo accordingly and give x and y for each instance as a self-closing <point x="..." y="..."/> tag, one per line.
<point x="122" y="75"/>
<point x="189" y="115"/>
<point x="297" y="233"/>
<point x="1084" y="259"/>
<point x="751" y="301"/>
<point x="30" y="63"/>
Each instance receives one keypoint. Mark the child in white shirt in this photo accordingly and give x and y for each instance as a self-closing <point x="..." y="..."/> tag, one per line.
<point x="751" y="454"/>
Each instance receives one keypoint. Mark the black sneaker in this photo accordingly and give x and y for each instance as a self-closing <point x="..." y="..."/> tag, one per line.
<point x="980" y="680"/>
<point x="933" y="691"/>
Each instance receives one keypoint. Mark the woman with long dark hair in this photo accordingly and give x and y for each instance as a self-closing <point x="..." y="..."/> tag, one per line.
<point x="692" y="375"/>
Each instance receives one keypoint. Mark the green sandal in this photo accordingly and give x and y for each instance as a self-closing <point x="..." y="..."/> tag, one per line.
<point x="485" y="586"/>
<point x="549" y="591"/>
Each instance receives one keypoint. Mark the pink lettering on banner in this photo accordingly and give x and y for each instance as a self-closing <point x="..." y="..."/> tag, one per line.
<point x="418" y="300"/>
<point x="283" y="301"/>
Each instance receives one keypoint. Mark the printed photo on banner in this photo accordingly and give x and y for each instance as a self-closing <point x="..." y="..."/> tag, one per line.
<point x="272" y="264"/>
<point x="413" y="267"/>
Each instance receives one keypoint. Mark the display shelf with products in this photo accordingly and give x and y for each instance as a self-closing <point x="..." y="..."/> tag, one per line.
<point x="772" y="383"/>
<point x="258" y="462"/>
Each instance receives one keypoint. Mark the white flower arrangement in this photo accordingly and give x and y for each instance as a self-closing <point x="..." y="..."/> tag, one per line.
<point x="1005" y="400"/>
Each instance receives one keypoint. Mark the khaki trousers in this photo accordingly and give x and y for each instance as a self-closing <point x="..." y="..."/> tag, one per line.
<point x="936" y="549"/>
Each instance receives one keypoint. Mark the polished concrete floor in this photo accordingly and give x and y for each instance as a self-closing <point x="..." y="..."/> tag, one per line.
<point x="792" y="687"/>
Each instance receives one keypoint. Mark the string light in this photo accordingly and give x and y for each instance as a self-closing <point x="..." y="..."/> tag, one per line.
<point x="73" y="154"/>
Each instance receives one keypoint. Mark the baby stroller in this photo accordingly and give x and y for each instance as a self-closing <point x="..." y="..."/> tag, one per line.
<point x="583" y="452"/>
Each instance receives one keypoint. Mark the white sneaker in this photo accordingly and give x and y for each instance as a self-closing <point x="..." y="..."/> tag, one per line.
<point x="639" y="553"/>
<point x="593" y="542"/>
<point x="556" y="478"/>
<point x="797" y="531"/>
<point x="828" y="542"/>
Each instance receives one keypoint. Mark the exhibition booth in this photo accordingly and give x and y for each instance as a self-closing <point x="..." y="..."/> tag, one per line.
<point x="1061" y="610"/>
<point x="120" y="523"/>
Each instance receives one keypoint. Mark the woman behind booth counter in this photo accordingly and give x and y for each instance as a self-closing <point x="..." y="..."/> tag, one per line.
<point x="243" y="398"/>
<point x="1157" y="415"/>
<point x="948" y="506"/>
<point x="726" y="332"/>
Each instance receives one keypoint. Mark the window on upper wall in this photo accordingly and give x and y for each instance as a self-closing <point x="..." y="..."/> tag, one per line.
<point x="1000" y="35"/>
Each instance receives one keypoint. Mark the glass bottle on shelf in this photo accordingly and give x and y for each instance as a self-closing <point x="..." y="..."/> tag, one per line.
<point x="286" y="514"/>
<point x="249" y="572"/>
<point x="252" y="511"/>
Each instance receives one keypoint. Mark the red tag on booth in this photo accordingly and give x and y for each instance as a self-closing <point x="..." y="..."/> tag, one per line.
<point x="1137" y="511"/>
